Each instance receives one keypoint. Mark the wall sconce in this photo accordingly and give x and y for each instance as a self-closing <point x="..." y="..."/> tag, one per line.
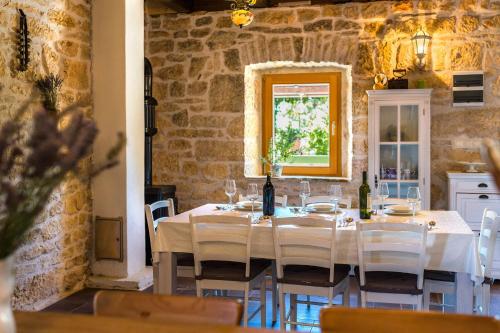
<point x="420" y="43"/>
<point x="242" y="16"/>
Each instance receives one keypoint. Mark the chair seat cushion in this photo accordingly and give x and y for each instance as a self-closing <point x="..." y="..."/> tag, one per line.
<point x="231" y="271"/>
<point x="313" y="275"/>
<point x="444" y="276"/>
<point x="389" y="282"/>
<point x="185" y="259"/>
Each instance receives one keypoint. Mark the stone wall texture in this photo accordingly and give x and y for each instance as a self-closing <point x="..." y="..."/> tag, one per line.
<point x="54" y="260"/>
<point x="199" y="62"/>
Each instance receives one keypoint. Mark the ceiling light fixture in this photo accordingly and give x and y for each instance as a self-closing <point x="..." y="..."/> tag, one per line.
<point x="241" y="15"/>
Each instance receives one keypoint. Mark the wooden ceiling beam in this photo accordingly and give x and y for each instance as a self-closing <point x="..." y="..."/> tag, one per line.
<point x="187" y="6"/>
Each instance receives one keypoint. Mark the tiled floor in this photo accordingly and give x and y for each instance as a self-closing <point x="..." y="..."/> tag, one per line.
<point x="81" y="302"/>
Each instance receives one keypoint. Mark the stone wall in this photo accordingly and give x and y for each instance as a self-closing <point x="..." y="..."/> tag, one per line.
<point x="199" y="62"/>
<point x="54" y="261"/>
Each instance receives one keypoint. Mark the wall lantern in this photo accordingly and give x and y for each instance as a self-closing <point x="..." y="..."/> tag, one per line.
<point x="242" y="16"/>
<point x="420" y="43"/>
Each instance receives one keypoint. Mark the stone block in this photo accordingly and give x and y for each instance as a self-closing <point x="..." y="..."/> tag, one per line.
<point x="161" y="46"/>
<point x="177" y="89"/>
<point x="275" y="17"/>
<point x="197" y="88"/>
<point x="174" y="72"/>
<point x="221" y="40"/>
<point x="321" y="25"/>
<point x="306" y="14"/>
<point x="199" y="33"/>
<point x="226" y="93"/>
<point x="189" y="45"/>
<point x="232" y="59"/>
<point x="197" y="65"/>
<point x="217" y="150"/>
<point x="205" y="20"/>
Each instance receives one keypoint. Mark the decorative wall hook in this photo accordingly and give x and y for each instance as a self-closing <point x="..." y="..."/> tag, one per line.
<point x="23" y="42"/>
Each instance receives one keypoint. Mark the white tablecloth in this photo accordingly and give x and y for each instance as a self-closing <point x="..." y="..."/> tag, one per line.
<point x="451" y="245"/>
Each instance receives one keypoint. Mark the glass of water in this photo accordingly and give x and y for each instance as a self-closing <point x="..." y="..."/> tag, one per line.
<point x="413" y="198"/>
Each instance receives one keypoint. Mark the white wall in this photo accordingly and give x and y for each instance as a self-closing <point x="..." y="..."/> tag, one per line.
<point x="118" y="94"/>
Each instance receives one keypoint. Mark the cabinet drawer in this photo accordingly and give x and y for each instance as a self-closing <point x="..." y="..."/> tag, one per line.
<point x="475" y="186"/>
<point x="471" y="207"/>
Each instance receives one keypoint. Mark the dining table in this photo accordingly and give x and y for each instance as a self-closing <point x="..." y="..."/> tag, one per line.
<point x="451" y="244"/>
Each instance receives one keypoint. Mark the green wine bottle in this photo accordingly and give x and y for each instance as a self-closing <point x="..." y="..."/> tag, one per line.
<point x="364" y="198"/>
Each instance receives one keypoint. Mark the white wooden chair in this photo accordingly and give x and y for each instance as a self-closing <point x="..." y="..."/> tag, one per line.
<point x="445" y="282"/>
<point x="391" y="260"/>
<point x="221" y="247"/>
<point x="183" y="259"/>
<point x="490" y="225"/>
<point x="442" y="282"/>
<point x="343" y="203"/>
<point x="280" y="200"/>
<point x="305" y="260"/>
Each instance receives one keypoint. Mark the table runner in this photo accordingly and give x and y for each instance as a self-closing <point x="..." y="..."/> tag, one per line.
<point x="451" y="246"/>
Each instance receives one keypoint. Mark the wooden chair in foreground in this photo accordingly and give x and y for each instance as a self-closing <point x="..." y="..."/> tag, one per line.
<point x="167" y="309"/>
<point x="345" y="320"/>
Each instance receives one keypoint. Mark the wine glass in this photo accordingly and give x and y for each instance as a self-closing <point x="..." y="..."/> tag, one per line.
<point x="383" y="193"/>
<point x="252" y="194"/>
<point x="335" y="193"/>
<point x="305" y="192"/>
<point x="413" y="198"/>
<point x="230" y="190"/>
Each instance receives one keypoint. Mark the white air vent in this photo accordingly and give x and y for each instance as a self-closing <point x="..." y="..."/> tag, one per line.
<point x="468" y="88"/>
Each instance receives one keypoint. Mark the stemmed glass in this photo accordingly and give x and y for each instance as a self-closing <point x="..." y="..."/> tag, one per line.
<point x="230" y="190"/>
<point x="413" y="198"/>
<point x="252" y="194"/>
<point x="305" y="192"/>
<point x="383" y="193"/>
<point x="335" y="194"/>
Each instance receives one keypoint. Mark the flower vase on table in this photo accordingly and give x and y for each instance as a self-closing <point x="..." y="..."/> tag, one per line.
<point x="7" y="323"/>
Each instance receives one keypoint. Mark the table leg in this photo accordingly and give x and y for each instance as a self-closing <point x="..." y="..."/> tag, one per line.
<point x="274" y="292"/>
<point x="168" y="273"/>
<point x="465" y="293"/>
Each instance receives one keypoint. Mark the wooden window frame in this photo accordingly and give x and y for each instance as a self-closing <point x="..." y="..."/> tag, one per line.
<point x="334" y="80"/>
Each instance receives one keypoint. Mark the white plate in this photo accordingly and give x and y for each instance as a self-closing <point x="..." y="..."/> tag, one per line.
<point x="400" y="209"/>
<point x="321" y="206"/>
<point x="247" y="205"/>
<point x="389" y="211"/>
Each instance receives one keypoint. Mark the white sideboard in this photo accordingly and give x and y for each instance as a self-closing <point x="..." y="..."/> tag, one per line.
<point x="470" y="194"/>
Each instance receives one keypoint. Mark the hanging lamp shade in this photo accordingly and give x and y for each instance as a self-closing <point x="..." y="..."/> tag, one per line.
<point x="242" y="17"/>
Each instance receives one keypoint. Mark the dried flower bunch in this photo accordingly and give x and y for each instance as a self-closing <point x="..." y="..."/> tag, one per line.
<point x="49" y="87"/>
<point x="32" y="166"/>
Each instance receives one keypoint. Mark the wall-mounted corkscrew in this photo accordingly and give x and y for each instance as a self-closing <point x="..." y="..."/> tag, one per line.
<point x="23" y="42"/>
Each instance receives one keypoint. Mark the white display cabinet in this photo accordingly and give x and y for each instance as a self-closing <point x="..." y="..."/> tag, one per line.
<point x="399" y="140"/>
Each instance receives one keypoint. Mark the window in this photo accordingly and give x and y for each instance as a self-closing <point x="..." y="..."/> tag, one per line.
<point x="301" y="121"/>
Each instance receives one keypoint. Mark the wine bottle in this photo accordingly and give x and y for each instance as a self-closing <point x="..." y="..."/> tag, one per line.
<point x="268" y="197"/>
<point x="364" y="196"/>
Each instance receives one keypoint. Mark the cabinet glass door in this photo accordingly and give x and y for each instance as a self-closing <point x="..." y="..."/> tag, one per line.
<point x="399" y="147"/>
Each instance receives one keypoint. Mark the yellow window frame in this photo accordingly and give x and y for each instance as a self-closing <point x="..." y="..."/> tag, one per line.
<point x="335" y="126"/>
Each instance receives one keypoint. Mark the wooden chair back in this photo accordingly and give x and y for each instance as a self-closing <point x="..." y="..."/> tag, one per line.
<point x="221" y="237"/>
<point x="167" y="309"/>
<point x="487" y="239"/>
<point x="392" y="247"/>
<point x="343" y="203"/>
<point x="280" y="200"/>
<point x="349" y="320"/>
<point x="304" y="241"/>
<point x="152" y="222"/>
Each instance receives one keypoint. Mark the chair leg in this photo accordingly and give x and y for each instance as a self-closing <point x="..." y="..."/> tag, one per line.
<point x="263" y="303"/>
<point x="274" y="292"/>
<point x="198" y="289"/>
<point x="363" y="298"/>
<point x="346" y="299"/>
<point x="293" y="311"/>
<point x="245" y="307"/>
<point x="282" y="310"/>
<point x="419" y="303"/>
<point x="427" y="296"/>
<point x="485" y="290"/>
